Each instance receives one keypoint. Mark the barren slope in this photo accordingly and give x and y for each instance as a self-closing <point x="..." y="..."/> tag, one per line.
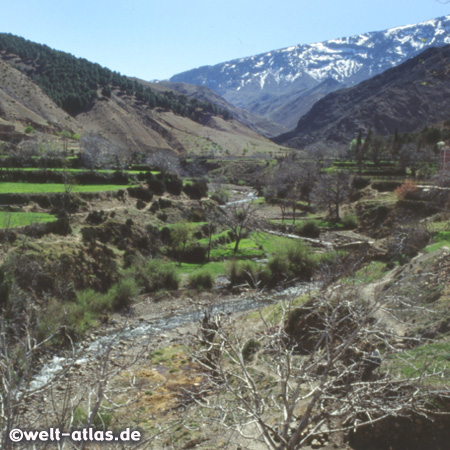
<point x="22" y="103"/>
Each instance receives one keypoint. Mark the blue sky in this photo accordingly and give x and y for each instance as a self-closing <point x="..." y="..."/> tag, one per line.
<point x="155" y="39"/>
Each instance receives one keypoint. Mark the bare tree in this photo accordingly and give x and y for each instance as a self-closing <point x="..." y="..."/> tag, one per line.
<point x="62" y="395"/>
<point x="181" y="235"/>
<point x="331" y="192"/>
<point x="240" y="218"/>
<point x="98" y="152"/>
<point x="292" y="181"/>
<point x="164" y="161"/>
<point x="415" y="156"/>
<point x="312" y="372"/>
<point x="214" y="219"/>
<point x="94" y="149"/>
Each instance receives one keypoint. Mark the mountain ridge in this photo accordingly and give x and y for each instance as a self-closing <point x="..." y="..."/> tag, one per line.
<point x="120" y="110"/>
<point x="256" y="82"/>
<point x="404" y="98"/>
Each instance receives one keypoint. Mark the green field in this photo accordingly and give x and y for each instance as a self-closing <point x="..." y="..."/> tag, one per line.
<point x="43" y="188"/>
<point x="22" y="219"/>
<point x="441" y="240"/>
<point x="35" y="169"/>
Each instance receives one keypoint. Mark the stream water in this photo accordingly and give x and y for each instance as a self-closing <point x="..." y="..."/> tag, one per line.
<point x="157" y="326"/>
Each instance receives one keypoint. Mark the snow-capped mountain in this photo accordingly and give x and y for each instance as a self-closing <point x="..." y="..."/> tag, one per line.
<point x="405" y="98"/>
<point x="277" y="84"/>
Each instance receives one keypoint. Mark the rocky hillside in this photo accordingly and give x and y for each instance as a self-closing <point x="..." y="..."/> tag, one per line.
<point x="89" y="98"/>
<point x="260" y="124"/>
<point x="405" y="98"/>
<point x="266" y="84"/>
<point x="23" y="103"/>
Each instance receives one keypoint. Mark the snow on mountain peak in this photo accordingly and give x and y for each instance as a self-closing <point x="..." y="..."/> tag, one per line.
<point x="258" y="82"/>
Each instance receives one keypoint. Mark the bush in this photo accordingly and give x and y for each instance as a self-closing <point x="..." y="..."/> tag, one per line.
<point x="165" y="235"/>
<point x="157" y="275"/>
<point x="386" y="186"/>
<point x="196" y="190"/>
<point x="6" y="282"/>
<point x="101" y="421"/>
<point x="406" y="190"/>
<point x="308" y="229"/>
<point x="194" y="254"/>
<point x="96" y="217"/>
<point x="291" y="262"/>
<point x="196" y="215"/>
<point x="360" y="182"/>
<point x="201" y="280"/>
<point x="83" y="313"/>
<point x="154" y="207"/>
<point x="406" y="241"/>
<point x="140" y="204"/>
<point x="350" y="222"/>
<point x="243" y="272"/>
<point x="164" y="203"/>
<point x="123" y="294"/>
<point x="250" y="348"/>
<point x="162" y="216"/>
<point x="221" y="196"/>
<point x="174" y="184"/>
<point x="156" y="185"/>
<point x="140" y="192"/>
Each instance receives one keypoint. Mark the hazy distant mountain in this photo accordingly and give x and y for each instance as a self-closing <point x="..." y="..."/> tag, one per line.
<point x="406" y="98"/>
<point x="282" y="85"/>
<point x="260" y="124"/>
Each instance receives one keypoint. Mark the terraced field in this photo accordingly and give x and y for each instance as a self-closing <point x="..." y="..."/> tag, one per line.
<point x="22" y="219"/>
<point x="43" y="188"/>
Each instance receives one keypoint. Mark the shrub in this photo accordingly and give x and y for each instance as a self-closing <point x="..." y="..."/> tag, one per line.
<point x="279" y="268"/>
<point x="156" y="184"/>
<point x="123" y="293"/>
<point x="308" y="229"/>
<point x="96" y="217"/>
<point x="196" y="190"/>
<point x="140" y="192"/>
<point x="250" y="348"/>
<point x="157" y="275"/>
<point x="83" y="313"/>
<point x="6" y="282"/>
<point x="174" y="184"/>
<point x="194" y="254"/>
<point x="406" y="241"/>
<point x="350" y="222"/>
<point x="165" y="235"/>
<point x="140" y="204"/>
<point x="293" y="261"/>
<point x="162" y="216"/>
<point x="386" y="186"/>
<point x="406" y="190"/>
<point x="101" y="421"/>
<point x="154" y="207"/>
<point x="221" y="196"/>
<point x="164" y="203"/>
<point x="201" y="280"/>
<point x="360" y="182"/>
<point x="243" y="272"/>
<point x="196" y="215"/>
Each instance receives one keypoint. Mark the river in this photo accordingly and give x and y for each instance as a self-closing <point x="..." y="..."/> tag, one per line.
<point x="86" y="352"/>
